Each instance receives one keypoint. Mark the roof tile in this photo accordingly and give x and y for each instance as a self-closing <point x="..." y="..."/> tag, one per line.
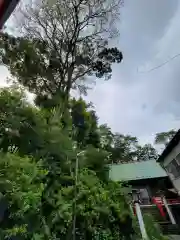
<point x="137" y="170"/>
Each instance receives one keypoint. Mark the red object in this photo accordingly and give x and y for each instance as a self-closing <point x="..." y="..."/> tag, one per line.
<point x="1" y="8"/>
<point x="134" y="210"/>
<point x="1" y="3"/>
<point x="159" y="203"/>
<point x="171" y="201"/>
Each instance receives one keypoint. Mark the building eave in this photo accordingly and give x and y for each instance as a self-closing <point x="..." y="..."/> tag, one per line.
<point x="171" y="145"/>
<point x="7" y="8"/>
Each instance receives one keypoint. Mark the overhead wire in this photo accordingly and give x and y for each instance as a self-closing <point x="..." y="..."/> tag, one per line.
<point x="161" y="65"/>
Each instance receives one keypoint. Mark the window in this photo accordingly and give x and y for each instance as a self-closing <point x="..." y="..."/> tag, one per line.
<point x="144" y="196"/>
<point x="173" y="168"/>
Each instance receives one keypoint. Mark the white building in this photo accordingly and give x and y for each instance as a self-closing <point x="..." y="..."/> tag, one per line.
<point x="170" y="160"/>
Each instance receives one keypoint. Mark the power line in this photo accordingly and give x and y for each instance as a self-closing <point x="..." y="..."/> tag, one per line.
<point x="160" y="65"/>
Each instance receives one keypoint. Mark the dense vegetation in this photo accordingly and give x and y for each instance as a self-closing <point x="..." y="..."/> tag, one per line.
<point x="39" y="149"/>
<point x="41" y="194"/>
<point x="37" y="165"/>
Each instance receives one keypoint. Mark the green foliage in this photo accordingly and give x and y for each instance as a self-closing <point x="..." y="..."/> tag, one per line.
<point x="19" y="122"/>
<point x="41" y="146"/>
<point x="85" y="123"/>
<point x="48" y="61"/>
<point x="125" y="148"/>
<point x="164" y="137"/>
<point x="97" y="160"/>
<point x="153" y="229"/>
<point x="39" y="151"/>
<point x="146" y="152"/>
<point x="106" y="137"/>
<point x="43" y="132"/>
<point x="96" y="212"/>
<point x="21" y="185"/>
<point x="37" y="177"/>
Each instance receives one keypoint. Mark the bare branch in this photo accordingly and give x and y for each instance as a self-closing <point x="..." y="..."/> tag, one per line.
<point x="76" y="31"/>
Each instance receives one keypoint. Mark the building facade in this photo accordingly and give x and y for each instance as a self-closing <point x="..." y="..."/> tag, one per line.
<point x="170" y="161"/>
<point x="147" y="177"/>
<point x="151" y="192"/>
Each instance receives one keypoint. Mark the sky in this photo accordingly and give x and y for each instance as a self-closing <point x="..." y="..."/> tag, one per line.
<point x="137" y="101"/>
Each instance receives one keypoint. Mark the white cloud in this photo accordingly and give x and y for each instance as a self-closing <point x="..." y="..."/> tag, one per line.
<point x="144" y="103"/>
<point x="3" y="76"/>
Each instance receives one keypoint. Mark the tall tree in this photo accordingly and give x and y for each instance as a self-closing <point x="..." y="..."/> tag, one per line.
<point x="124" y="148"/>
<point x="19" y="121"/>
<point x="32" y="131"/>
<point x="63" y="44"/>
<point x="37" y="181"/>
<point x="106" y="137"/>
<point x="85" y="123"/>
<point x="146" y="152"/>
<point x="164" y="137"/>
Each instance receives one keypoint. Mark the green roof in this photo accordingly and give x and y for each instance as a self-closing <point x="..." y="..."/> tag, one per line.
<point x="136" y="171"/>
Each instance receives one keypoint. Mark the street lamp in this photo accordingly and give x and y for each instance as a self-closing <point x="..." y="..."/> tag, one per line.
<point x="75" y="194"/>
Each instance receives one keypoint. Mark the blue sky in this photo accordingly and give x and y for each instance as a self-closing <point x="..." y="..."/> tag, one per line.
<point x="136" y="101"/>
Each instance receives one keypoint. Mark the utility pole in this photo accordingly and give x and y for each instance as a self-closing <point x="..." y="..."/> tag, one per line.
<point x="135" y="195"/>
<point x="141" y="221"/>
<point x="75" y="194"/>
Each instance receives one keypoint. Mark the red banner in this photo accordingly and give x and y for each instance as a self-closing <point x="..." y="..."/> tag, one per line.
<point x="1" y="7"/>
<point x="1" y="3"/>
<point x="159" y="203"/>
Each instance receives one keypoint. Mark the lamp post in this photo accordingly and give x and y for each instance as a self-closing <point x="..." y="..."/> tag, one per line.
<point x="75" y="194"/>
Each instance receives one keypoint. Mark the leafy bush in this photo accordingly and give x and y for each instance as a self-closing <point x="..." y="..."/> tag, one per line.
<point x="21" y="186"/>
<point x="152" y="228"/>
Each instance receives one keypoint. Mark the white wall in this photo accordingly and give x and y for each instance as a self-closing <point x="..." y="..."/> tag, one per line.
<point x="168" y="159"/>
